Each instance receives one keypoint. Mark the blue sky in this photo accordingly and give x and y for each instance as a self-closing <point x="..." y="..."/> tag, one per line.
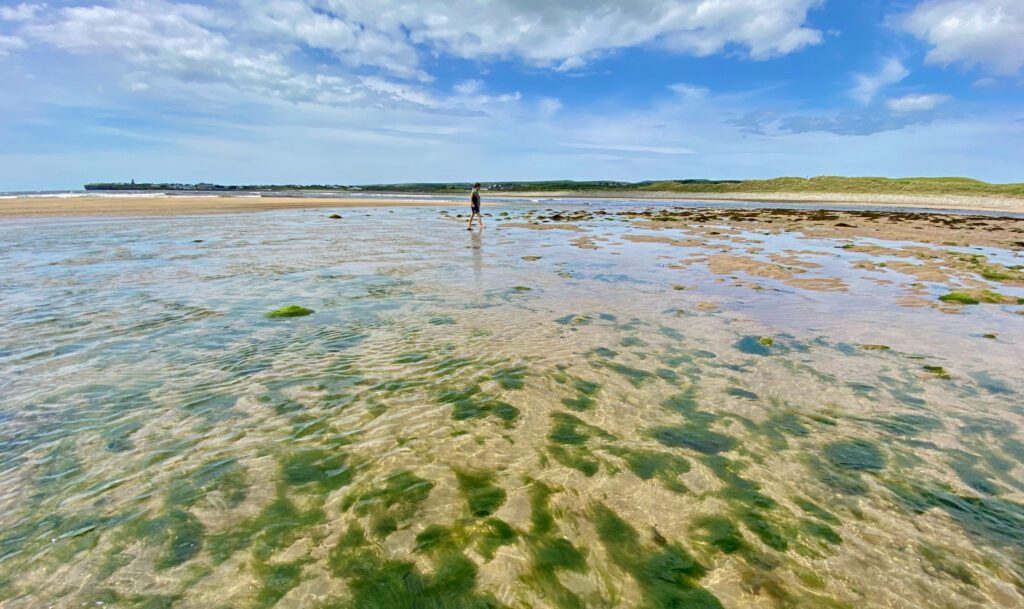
<point x="359" y="91"/>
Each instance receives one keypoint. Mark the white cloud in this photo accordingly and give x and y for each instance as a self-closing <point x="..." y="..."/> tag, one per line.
<point x="867" y="86"/>
<point x="689" y="91"/>
<point x="916" y="103"/>
<point x="547" y="107"/>
<point x="10" y="43"/>
<point x="635" y="148"/>
<point x="178" y="47"/>
<point x="564" y="35"/>
<point x="468" y="87"/>
<point x="261" y="47"/>
<point x="20" y="12"/>
<point x="989" y="33"/>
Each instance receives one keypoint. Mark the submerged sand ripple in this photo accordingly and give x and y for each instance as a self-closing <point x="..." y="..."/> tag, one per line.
<point x="465" y="422"/>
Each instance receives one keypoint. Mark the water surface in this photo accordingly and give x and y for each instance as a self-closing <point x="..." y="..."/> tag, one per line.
<point x="512" y="418"/>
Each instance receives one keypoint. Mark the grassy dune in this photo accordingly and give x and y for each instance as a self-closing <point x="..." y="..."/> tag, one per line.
<point x="837" y="184"/>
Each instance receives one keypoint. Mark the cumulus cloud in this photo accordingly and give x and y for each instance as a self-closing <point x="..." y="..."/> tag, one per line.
<point x="175" y="45"/>
<point x="390" y="34"/>
<point x="10" y="43"/>
<point x="564" y="35"/>
<point x="867" y="86"/>
<point x="989" y="33"/>
<point x="20" y="12"/>
<point x="916" y="103"/>
<point x="365" y="50"/>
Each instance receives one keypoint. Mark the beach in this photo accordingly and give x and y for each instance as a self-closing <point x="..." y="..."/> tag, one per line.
<point x="85" y="204"/>
<point x="581" y="405"/>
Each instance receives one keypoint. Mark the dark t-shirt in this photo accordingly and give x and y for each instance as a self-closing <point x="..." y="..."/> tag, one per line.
<point x="475" y="201"/>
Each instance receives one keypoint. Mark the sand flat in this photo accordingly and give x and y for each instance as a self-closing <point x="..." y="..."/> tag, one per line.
<point x="170" y="206"/>
<point x="187" y="205"/>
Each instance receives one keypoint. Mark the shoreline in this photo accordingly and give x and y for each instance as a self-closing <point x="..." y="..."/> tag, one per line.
<point x="143" y="206"/>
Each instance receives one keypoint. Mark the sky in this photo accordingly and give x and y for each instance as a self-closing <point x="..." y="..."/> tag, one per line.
<point x="370" y="91"/>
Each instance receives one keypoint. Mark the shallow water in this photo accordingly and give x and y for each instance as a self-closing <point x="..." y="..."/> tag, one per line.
<point x="493" y="419"/>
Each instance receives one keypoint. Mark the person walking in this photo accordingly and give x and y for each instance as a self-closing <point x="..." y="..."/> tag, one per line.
<point x="474" y="201"/>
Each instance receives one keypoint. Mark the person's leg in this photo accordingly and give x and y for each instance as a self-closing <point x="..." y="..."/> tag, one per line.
<point x="470" y="225"/>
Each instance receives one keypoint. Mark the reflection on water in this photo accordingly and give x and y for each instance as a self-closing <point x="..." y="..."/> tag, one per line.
<point x="476" y="244"/>
<point x="603" y="422"/>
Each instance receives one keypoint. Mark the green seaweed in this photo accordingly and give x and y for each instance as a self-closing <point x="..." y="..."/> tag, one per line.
<point x="225" y="476"/>
<point x="993" y="520"/>
<point x="820" y="530"/>
<point x="720" y="532"/>
<point x="496" y="534"/>
<point x="276" y="527"/>
<point x="991" y="384"/>
<point x="578" y="459"/>
<point x="648" y="464"/>
<point x="542" y="521"/>
<point x="938" y="371"/>
<point x="482" y="496"/>
<point x="856" y="455"/>
<point x="789" y="423"/>
<point x="375" y="582"/>
<point x="635" y="376"/>
<point x="684" y="403"/>
<point x="434" y="538"/>
<point x="390" y="503"/>
<point x="908" y="424"/>
<point x="290" y="311"/>
<point x="587" y="388"/>
<point x="694" y="437"/>
<point x="666" y="575"/>
<point x="275" y="581"/>
<point x="118" y="439"/>
<point x="602" y="352"/>
<point x="549" y="552"/>
<point x="742" y="393"/>
<point x="765" y="530"/>
<point x="946" y="562"/>
<point x="511" y="378"/>
<point x="329" y="471"/>
<point x="411" y="358"/>
<point x="579" y="403"/>
<point x="815" y="510"/>
<point x="471" y="403"/>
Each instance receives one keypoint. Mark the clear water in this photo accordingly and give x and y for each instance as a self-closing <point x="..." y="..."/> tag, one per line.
<point x="491" y="419"/>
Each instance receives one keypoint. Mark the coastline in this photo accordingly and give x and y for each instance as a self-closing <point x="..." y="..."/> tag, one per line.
<point x="88" y="206"/>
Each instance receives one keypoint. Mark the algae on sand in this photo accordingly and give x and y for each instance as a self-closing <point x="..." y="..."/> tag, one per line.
<point x="290" y="311"/>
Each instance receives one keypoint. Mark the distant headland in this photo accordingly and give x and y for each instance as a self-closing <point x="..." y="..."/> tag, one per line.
<point x="820" y="184"/>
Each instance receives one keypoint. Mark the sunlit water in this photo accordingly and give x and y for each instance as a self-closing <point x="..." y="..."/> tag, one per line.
<point x="490" y="419"/>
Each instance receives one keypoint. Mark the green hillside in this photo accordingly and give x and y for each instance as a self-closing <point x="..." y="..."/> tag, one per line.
<point x="867" y="185"/>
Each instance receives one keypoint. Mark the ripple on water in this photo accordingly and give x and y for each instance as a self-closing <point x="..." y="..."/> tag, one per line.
<point x="508" y="420"/>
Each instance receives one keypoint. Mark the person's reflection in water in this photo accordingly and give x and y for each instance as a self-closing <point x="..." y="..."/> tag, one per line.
<point x="476" y="244"/>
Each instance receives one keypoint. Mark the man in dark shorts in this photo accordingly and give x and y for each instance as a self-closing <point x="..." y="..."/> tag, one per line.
<point x="474" y="201"/>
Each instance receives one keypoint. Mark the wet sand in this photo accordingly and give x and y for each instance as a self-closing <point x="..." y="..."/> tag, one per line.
<point x="174" y="206"/>
<point x="186" y="205"/>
